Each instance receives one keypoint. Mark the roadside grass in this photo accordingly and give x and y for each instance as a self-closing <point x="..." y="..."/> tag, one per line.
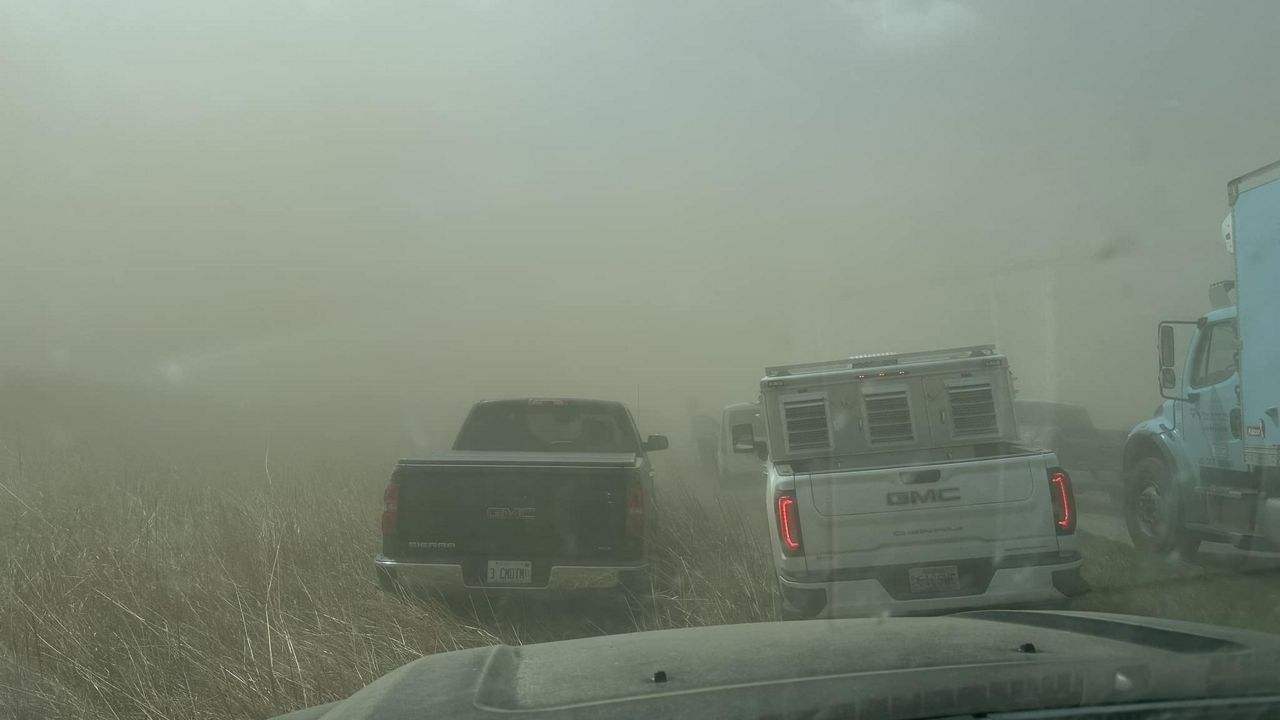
<point x="130" y="588"/>
<point x="714" y="566"/>
<point x="1211" y="589"/>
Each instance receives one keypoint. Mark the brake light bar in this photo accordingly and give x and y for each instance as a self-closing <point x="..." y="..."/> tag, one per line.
<point x="1064" y="501"/>
<point x="634" y="523"/>
<point x="789" y="524"/>
<point x="390" y="508"/>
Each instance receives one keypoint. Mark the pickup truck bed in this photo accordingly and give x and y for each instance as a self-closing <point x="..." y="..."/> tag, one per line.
<point x="519" y="519"/>
<point x="543" y="459"/>
<point x="516" y="506"/>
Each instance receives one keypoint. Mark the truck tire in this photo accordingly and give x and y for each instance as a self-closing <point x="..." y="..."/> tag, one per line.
<point x="1189" y="545"/>
<point x="1152" y="510"/>
<point x="784" y="612"/>
<point x="781" y="612"/>
<point x="637" y="582"/>
<point x="387" y="580"/>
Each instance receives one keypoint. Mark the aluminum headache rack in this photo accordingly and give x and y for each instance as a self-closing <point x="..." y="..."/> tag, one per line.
<point x="880" y="360"/>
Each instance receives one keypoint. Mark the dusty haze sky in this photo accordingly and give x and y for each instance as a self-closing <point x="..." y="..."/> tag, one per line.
<point x="415" y="204"/>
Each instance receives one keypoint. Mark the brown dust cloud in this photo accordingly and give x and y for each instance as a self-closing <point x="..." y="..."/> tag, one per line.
<point x="333" y="225"/>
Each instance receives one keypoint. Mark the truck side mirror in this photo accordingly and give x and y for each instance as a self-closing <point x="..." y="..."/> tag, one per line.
<point x="762" y="450"/>
<point x="744" y="438"/>
<point x="656" y="442"/>
<point x="1168" y="380"/>
<point x="1167" y="350"/>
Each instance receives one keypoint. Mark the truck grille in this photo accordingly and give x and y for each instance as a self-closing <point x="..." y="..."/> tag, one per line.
<point x="806" y="421"/>
<point x="888" y="417"/>
<point x="973" y="410"/>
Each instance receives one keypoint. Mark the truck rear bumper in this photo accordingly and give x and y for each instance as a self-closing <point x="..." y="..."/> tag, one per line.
<point x="445" y="576"/>
<point x="1046" y="584"/>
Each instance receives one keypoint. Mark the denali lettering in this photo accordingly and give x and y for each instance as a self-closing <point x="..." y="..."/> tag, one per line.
<point x="432" y="545"/>
<point x="916" y="497"/>
<point x="510" y="513"/>
<point x="928" y="531"/>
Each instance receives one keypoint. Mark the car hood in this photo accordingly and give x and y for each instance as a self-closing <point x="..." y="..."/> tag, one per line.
<point x="890" y="668"/>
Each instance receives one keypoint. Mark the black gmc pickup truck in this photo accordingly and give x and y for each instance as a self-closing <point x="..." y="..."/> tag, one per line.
<point x="544" y="494"/>
<point x="1069" y="432"/>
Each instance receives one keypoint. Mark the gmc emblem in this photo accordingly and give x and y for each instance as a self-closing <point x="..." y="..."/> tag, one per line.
<point x="915" y="497"/>
<point x="510" y="513"/>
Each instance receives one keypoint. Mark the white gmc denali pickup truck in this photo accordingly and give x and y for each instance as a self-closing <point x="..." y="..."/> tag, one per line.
<point x="897" y="486"/>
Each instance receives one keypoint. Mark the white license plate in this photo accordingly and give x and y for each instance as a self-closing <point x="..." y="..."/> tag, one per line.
<point x="510" y="572"/>
<point x="934" y="579"/>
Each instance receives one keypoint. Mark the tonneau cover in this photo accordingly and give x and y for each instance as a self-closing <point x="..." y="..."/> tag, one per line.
<point x="538" y="459"/>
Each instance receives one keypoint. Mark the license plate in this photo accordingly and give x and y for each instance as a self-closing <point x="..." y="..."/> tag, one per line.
<point x="510" y="572"/>
<point x="934" y="579"/>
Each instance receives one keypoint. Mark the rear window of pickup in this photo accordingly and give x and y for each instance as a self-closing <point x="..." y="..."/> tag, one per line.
<point x="548" y="426"/>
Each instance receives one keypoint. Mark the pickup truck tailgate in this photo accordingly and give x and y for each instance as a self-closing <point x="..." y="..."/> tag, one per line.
<point x="894" y="490"/>
<point x="513" y="506"/>
<point x="956" y="504"/>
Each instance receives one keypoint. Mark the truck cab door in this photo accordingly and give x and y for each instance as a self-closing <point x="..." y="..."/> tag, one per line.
<point x="1212" y="421"/>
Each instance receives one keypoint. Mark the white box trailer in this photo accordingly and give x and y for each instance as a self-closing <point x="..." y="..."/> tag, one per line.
<point x="1255" y="239"/>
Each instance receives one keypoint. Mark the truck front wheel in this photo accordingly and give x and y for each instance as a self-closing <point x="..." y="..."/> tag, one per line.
<point x="1152" y="511"/>
<point x="781" y="611"/>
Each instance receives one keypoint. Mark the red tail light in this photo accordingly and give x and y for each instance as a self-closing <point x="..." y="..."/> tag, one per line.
<point x="635" y="512"/>
<point x="1064" y="501"/>
<point x="789" y="524"/>
<point x="390" y="508"/>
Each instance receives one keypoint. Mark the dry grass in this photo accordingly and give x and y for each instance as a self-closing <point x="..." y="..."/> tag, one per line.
<point x="133" y="589"/>
<point x="1212" y="588"/>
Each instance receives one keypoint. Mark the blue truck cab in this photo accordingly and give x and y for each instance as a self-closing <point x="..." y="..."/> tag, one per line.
<point x="1206" y="467"/>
